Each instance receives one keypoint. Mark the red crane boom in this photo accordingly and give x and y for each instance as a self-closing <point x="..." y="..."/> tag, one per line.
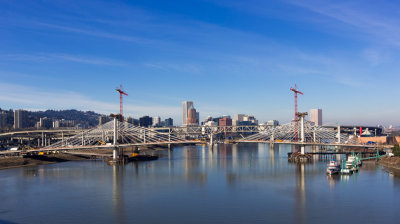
<point x="296" y="116"/>
<point x="121" y="92"/>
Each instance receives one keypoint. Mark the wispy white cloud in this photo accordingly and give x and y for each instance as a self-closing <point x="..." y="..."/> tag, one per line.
<point x="27" y="97"/>
<point x="57" y="57"/>
<point x="382" y="24"/>
<point x="182" y="67"/>
<point x="94" y="33"/>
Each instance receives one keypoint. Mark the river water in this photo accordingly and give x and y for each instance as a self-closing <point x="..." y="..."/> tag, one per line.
<point x="243" y="183"/>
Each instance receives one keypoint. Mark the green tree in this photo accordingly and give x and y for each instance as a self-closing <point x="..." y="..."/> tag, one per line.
<point x="396" y="150"/>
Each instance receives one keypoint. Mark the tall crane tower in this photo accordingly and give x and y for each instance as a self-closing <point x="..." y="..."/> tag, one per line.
<point x="296" y="116"/>
<point x="121" y="92"/>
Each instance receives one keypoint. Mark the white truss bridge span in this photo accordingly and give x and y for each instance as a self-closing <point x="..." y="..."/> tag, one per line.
<point x="114" y="133"/>
<point x="124" y="134"/>
<point x="310" y="135"/>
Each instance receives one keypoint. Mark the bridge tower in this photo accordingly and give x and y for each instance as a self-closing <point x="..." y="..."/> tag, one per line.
<point x="302" y="139"/>
<point x="296" y="117"/>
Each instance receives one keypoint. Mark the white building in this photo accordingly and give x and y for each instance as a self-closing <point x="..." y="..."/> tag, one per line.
<point x="316" y="116"/>
<point x="244" y="119"/>
<point x="156" y="121"/>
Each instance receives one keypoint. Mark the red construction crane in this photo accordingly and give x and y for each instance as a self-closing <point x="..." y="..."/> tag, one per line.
<point x="120" y="101"/>
<point x="296" y="116"/>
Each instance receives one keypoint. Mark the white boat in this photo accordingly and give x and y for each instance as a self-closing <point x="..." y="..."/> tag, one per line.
<point x="346" y="171"/>
<point x="350" y="161"/>
<point x="333" y="167"/>
<point x="353" y="162"/>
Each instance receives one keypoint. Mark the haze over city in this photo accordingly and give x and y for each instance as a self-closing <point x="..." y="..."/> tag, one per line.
<point x="229" y="57"/>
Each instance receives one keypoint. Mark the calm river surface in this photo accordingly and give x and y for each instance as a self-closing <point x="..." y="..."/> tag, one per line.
<point x="244" y="183"/>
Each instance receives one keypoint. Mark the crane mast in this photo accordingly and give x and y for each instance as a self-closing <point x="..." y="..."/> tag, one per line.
<point x="121" y="92"/>
<point x="296" y="116"/>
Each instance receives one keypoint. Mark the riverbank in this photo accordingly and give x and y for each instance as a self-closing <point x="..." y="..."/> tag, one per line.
<point x="15" y="162"/>
<point x="390" y="162"/>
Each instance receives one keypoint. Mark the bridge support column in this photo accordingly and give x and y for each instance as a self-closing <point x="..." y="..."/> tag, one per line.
<point x="338" y="133"/>
<point x="115" y="142"/>
<point x="302" y="150"/>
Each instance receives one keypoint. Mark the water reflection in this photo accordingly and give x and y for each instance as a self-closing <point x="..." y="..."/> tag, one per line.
<point x="118" y="193"/>
<point x="239" y="183"/>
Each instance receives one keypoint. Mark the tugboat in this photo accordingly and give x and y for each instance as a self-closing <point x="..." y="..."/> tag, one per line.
<point x="333" y="167"/>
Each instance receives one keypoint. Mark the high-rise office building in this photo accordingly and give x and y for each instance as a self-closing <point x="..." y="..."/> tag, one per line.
<point x="185" y="107"/>
<point x="169" y="122"/>
<point x="20" y="118"/>
<point x="316" y="116"/>
<point x="3" y="119"/>
<point x="145" y="121"/>
<point x="192" y="116"/>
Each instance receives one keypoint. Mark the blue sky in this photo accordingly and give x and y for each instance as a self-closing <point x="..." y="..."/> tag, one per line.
<point x="227" y="56"/>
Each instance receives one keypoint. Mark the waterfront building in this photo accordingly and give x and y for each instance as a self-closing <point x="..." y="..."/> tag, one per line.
<point x="243" y="119"/>
<point x="225" y="121"/>
<point x="145" y="121"/>
<point x="169" y="122"/>
<point x="156" y="121"/>
<point x="20" y="119"/>
<point x="316" y="116"/>
<point x="185" y="107"/>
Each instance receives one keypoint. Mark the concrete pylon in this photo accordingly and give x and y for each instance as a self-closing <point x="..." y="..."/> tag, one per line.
<point x="115" y="142"/>
<point x="302" y="134"/>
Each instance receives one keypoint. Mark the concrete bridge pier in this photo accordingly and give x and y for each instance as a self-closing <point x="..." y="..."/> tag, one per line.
<point x="115" y="142"/>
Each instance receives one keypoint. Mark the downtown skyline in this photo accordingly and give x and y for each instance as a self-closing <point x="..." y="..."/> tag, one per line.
<point x="229" y="57"/>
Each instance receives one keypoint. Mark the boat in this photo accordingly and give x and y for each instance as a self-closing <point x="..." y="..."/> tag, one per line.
<point x="353" y="162"/>
<point x="344" y="169"/>
<point x="333" y="167"/>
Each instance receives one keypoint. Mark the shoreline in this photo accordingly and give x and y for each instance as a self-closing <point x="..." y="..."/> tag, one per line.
<point x="390" y="163"/>
<point x="17" y="162"/>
